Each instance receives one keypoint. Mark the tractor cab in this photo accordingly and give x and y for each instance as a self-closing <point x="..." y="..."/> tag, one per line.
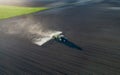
<point x="60" y="38"/>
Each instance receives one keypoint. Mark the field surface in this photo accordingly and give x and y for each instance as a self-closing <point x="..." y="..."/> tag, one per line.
<point x="93" y="27"/>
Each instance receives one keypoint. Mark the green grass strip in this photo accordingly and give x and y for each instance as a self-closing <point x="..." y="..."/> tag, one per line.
<point x="12" y="11"/>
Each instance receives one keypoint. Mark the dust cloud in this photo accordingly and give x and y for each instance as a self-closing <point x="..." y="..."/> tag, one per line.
<point x="27" y="28"/>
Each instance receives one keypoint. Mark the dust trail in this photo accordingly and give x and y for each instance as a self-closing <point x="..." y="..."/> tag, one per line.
<point x="26" y="28"/>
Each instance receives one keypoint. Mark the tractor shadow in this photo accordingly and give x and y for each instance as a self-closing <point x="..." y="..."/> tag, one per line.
<point x="69" y="43"/>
